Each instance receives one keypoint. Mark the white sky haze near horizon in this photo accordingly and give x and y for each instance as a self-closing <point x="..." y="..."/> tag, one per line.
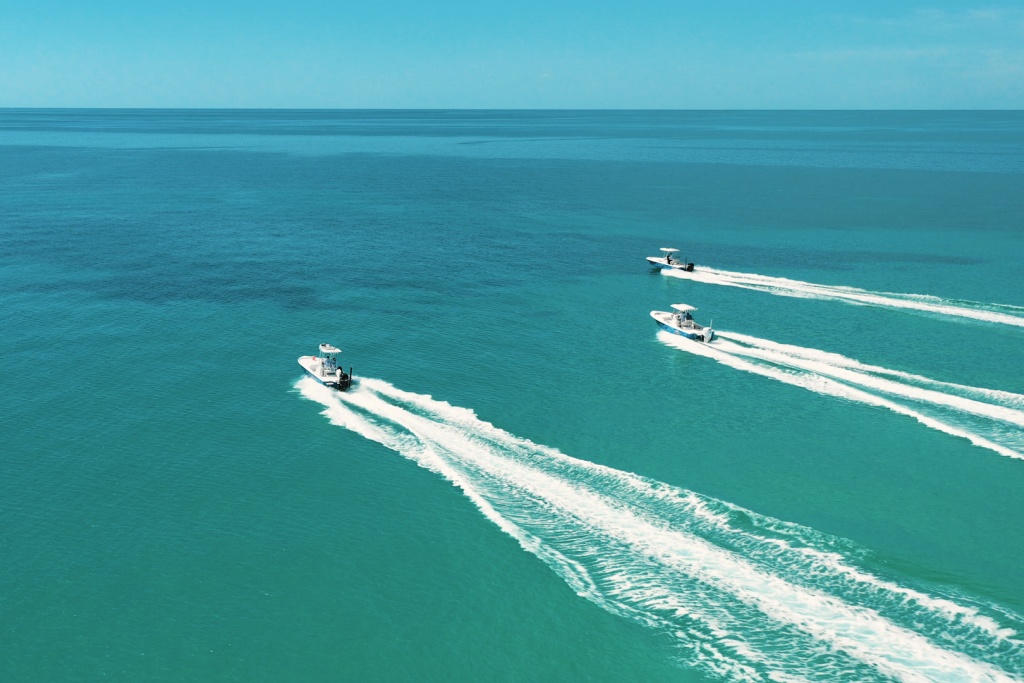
<point x="596" y="55"/>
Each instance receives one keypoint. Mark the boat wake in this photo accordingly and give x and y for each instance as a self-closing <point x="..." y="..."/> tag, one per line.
<point x="988" y="418"/>
<point x="994" y="313"/>
<point x="742" y="596"/>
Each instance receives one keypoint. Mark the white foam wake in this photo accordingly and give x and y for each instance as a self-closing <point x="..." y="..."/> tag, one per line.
<point x="994" y="313"/>
<point x="744" y="597"/>
<point x="988" y="418"/>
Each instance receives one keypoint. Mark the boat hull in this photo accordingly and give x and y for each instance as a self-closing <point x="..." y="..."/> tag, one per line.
<point x="705" y="334"/>
<point x="661" y="263"/>
<point x="344" y="383"/>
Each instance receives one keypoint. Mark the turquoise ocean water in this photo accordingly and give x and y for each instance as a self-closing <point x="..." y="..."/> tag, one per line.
<point x="530" y="483"/>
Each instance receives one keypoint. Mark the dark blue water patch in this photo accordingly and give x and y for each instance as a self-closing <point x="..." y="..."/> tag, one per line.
<point x="173" y="224"/>
<point x="835" y="126"/>
<point x="736" y="195"/>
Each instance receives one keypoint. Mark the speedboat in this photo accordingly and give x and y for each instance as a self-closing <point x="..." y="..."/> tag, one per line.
<point x="667" y="262"/>
<point x="681" y="323"/>
<point x="324" y="368"/>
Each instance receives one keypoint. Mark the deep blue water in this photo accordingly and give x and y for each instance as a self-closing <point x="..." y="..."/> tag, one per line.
<point x="175" y="504"/>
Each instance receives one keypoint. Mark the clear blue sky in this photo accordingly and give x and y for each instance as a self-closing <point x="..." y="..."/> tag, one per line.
<point x="728" y="54"/>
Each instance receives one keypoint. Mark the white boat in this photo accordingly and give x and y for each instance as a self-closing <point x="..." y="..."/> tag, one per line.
<point x="667" y="262"/>
<point x="324" y="368"/>
<point x="681" y="323"/>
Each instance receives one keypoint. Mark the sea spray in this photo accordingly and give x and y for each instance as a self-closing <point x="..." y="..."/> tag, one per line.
<point x="745" y="597"/>
<point x="993" y="313"/>
<point x="993" y="426"/>
<point x="994" y="396"/>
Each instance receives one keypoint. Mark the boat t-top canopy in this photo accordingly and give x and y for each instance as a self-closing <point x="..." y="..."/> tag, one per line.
<point x="327" y="348"/>
<point x="684" y="308"/>
<point x="669" y="251"/>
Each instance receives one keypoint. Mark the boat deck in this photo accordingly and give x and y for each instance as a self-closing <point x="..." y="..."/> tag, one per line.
<point x="670" y="319"/>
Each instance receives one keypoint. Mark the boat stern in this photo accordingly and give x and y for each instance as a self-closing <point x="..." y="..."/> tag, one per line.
<point x="333" y="379"/>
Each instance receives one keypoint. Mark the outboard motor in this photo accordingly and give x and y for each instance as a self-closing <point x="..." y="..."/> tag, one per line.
<point x="709" y="334"/>
<point x="689" y="267"/>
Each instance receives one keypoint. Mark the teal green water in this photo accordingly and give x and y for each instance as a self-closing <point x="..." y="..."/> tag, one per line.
<point x="176" y="503"/>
